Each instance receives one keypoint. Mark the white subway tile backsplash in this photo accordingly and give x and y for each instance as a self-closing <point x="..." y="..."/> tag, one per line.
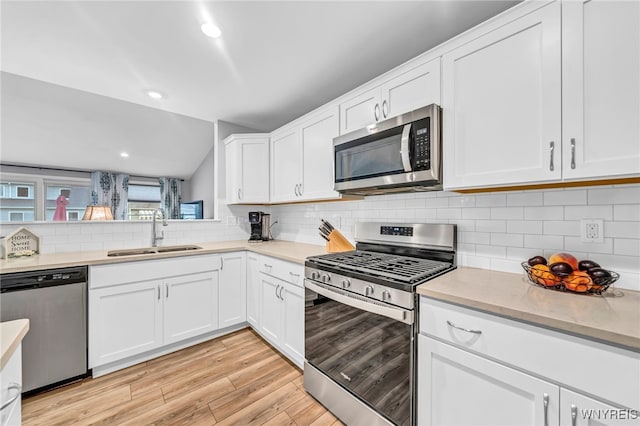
<point x="566" y="197"/>
<point x="524" y="198"/>
<point x="524" y="227"/>
<point x="511" y="213"/>
<point x="626" y="247"/>
<point x="491" y="226"/>
<point x="504" y="239"/>
<point x="544" y="213"/>
<point x="551" y="242"/>
<point x="506" y="265"/>
<point x="576" y="244"/>
<point x="491" y="200"/>
<point x="626" y="212"/>
<point x="474" y="237"/>
<point x="588" y="212"/>
<point x="629" y="194"/>
<point x="521" y="254"/>
<point x="491" y="251"/>
<point x="622" y="229"/>
<point x="476" y="213"/>
<point x="473" y="261"/>
<point x="449" y="213"/>
<point x="462" y="201"/>
<point x="561" y="227"/>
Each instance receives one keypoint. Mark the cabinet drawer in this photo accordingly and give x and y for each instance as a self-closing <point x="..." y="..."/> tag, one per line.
<point x="124" y="273"/>
<point x="601" y="370"/>
<point x="287" y="271"/>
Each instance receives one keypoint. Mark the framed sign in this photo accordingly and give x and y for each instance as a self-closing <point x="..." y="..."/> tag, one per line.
<point x="21" y="243"/>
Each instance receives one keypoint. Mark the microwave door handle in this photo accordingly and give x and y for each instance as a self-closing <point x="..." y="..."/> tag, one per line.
<point x="404" y="147"/>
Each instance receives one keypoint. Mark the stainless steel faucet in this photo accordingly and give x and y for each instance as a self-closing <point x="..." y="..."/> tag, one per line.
<point x="154" y="235"/>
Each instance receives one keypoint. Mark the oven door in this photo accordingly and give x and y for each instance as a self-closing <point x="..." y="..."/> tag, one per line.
<point x="366" y="347"/>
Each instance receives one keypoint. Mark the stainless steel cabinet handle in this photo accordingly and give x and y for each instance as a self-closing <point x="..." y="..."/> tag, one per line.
<point x="221" y="263"/>
<point x="239" y="196"/>
<point x="280" y="295"/>
<point x="384" y="109"/>
<point x="301" y="189"/>
<point x="295" y="189"/>
<point x="551" y="148"/>
<point x="376" y="112"/>
<point x="12" y="386"/>
<point x="158" y="292"/>
<point x="573" y="153"/>
<point x="545" y="402"/>
<point x="268" y="266"/>
<point x="463" y="329"/>
<point x="277" y="287"/>
<point x="166" y="291"/>
<point x="574" y="414"/>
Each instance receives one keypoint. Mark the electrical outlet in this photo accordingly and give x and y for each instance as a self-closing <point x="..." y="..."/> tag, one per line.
<point x="592" y="230"/>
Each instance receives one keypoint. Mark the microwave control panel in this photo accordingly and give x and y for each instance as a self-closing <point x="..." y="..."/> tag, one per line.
<point x="421" y="159"/>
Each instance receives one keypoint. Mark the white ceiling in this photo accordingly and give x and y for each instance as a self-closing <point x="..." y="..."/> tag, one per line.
<point x="274" y="62"/>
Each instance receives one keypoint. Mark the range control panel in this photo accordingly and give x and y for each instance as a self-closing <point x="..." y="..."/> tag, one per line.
<point x="405" y="231"/>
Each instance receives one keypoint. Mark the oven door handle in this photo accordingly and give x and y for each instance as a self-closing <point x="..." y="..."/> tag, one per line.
<point x="397" y="314"/>
<point x="404" y="147"/>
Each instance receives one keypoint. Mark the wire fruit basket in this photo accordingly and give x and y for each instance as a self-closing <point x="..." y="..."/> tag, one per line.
<point x="577" y="282"/>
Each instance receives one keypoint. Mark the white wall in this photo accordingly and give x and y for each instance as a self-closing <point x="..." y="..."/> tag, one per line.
<point x="496" y="230"/>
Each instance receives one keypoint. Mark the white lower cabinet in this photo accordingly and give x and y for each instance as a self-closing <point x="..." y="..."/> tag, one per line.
<point x="190" y="306"/>
<point x="124" y="321"/>
<point x="460" y="388"/>
<point x="253" y="289"/>
<point x="282" y="308"/>
<point x="10" y="385"/>
<point x="479" y="369"/>
<point x="137" y="307"/>
<point x="233" y="289"/>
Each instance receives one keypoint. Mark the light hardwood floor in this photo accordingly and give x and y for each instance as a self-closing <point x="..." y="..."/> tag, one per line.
<point x="235" y="379"/>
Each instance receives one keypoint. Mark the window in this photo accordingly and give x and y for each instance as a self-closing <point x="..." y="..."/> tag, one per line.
<point x="76" y="198"/>
<point x="22" y="192"/>
<point x="16" y="217"/>
<point x="18" y="201"/>
<point x="143" y="201"/>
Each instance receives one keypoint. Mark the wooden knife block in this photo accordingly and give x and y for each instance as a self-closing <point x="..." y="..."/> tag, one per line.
<point x="338" y="243"/>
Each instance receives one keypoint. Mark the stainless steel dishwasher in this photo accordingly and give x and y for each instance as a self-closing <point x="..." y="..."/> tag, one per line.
<point x="54" y="351"/>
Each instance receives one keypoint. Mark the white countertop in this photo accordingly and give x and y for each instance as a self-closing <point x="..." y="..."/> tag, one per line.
<point x="11" y="334"/>
<point x="286" y="250"/>
<point x="609" y="319"/>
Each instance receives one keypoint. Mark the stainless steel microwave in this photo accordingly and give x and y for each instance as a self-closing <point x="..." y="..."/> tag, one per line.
<point x="399" y="154"/>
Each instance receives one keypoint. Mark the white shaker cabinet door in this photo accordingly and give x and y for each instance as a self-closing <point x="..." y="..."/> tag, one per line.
<point x="285" y="165"/>
<point x="232" y="289"/>
<point x="358" y="112"/>
<point x="601" y="88"/>
<point x="190" y="306"/>
<point x="579" y="410"/>
<point x="501" y="105"/>
<point x="254" y="172"/>
<point x="293" y="333"/>
<point x="270" y="309"/>
<point x="411" y="90"/>
<point x="460" y="388"/>
<point x="316" y="137"/>
<point x="124" y="320"/>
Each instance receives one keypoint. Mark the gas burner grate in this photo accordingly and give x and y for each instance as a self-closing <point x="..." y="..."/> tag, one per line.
<point x="399" y="268"/>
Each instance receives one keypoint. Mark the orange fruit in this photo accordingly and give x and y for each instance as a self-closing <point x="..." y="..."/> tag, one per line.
<point x="578" y="281"/>
<point x="543" y="276"/>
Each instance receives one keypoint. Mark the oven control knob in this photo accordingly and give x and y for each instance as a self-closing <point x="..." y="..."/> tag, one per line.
<point x="346" y="284"/>
<point x="315" y="275"/>
<point x="368" y="290"/>
<point x="325" y="278"/>
<point x="386" y="296"/>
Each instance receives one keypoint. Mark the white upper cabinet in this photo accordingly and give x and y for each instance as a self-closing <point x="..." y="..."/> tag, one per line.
<point x="316" y="141"/>
<point x="302" y="158"/>
<point x="501" y="105"/>
<point x="409" y="90"/>
<point x="285" y="165"/>
<point x="247" y="168"/>
<point x="601" y="88"/>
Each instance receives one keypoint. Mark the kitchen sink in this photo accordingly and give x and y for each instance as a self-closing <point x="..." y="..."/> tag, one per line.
<point x="152" y="250"/>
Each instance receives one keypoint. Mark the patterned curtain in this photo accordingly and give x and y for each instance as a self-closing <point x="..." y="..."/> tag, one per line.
<point x="111" y="189"/>
<point x="170" y="197"/>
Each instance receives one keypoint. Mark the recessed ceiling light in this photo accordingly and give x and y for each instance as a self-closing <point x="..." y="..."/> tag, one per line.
<point x="211" y="30"/>
<point x="155" y="94"/>
<point x="124" y="154"/>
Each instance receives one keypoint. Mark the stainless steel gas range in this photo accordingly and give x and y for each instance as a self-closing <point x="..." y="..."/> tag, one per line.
<point x="360" y="320"/>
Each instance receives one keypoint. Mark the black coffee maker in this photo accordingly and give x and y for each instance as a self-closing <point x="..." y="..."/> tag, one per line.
<point x="259" y="222"/>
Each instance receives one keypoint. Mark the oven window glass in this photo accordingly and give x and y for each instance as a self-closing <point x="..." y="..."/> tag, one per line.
<point x="366" y="353"/>
<point x="367" y="157"/>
